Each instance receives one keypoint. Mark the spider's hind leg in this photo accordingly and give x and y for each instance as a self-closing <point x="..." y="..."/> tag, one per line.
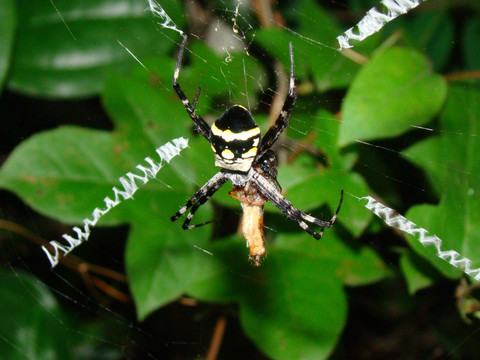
<point x="274" y="195"/>
<point x="323" y="223"/>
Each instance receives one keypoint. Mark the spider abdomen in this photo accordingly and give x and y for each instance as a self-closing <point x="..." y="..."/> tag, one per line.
<point x="235" y="137"/>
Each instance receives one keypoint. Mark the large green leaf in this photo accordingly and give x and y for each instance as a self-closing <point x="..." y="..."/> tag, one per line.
<point x="451" y="162"/>
<point x="293" y="307"/>
<point x="33" y="326"/>
<point x="65" y="173"/>
<point x="61" y="173"/>
<point x="394" y="91"/>
<point x="8" y="23"/>
<point x="64" y="47"/>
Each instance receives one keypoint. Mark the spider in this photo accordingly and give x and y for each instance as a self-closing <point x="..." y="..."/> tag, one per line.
<point x="246" y="160"/>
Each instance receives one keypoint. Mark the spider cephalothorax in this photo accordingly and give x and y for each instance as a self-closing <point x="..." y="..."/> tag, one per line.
<point x="246" y="160"/>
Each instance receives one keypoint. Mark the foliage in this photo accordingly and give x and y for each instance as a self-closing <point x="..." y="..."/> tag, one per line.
<point x="295" y="305"/>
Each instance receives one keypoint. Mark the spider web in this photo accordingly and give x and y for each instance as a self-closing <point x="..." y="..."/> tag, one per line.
<point x="72" y="293"/>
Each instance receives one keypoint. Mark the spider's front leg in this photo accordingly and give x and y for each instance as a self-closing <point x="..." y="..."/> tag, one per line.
<point x="272" y="135"/>
<point x="200" y="198"/>
<point x="200" y="124"/>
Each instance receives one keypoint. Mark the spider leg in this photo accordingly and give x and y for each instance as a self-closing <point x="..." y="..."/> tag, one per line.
<point x="199" y="198"/>
<point x="271" y="136"/>
<point x="195" y="99"/>
<point x="186" y="225"/>
<point x="274" y="195"/>
<point x="327" y="224"/>
<point x="200" y="124"/>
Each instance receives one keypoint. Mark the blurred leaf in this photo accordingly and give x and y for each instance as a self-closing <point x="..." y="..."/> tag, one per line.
<point x="416" y="272"/>
<point x="8" y="24"/>
<point x="471" y="43"/>
<point x="64" y="48"/>
<point x="394" y="91"/>
<point x="101" y="338"/>
<point x="234" y="74"/>
<point x="436" y="30"/>
<point x="450" y="161"/>
<point x="432" y="33"/>
<point x="315" y="51"/>
<point x="33" y="325"/>
<point x="327" y="128"/>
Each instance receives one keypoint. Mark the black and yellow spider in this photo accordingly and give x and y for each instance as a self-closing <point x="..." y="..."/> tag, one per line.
<point x="246" y="159"/>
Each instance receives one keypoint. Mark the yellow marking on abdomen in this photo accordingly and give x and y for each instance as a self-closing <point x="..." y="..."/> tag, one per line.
<point x="230" y="136"/>
<point x="227" y="154"/>
<point x="250" y="153"/>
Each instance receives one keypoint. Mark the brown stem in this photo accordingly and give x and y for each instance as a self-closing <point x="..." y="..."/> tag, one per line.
<point x="217" y="338"/>
<point x="474" y="74"/>
<point x="78" y="265"/>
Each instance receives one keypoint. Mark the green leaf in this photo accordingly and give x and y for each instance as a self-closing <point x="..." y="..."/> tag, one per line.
<point x="33" y="325"/>
<point x="64" y="48"/>
<point x="8" y="24"/>
<point x="393" y="92"/>
<point x="287" y="317"/>
<point x="61" y="173"/>
<point x="67" y="172"/>
<point x="300" y="182"/>
<point x="451" y="162"/>
<point x="162" y="259"/>
<point x="355" y="266"/>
